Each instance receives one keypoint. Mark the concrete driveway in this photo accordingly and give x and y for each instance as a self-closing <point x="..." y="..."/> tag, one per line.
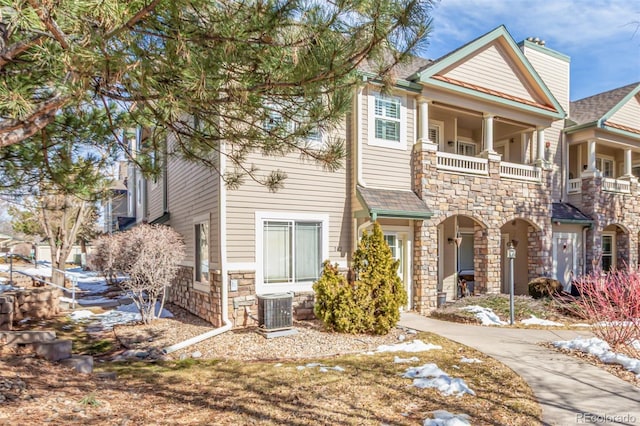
<point x="569" y="390"/>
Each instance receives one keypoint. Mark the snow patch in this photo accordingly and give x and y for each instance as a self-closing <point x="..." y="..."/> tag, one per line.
<point x="602" y="350"/>
<point x="413" y="346"/>
<point x="445" y="418"/>
<point x="470" y="360"/>
<point x="485" y="315"/>
<point x="398" y="360"/>
<point x="430" y="376"/>
<point x="534" y="320"/>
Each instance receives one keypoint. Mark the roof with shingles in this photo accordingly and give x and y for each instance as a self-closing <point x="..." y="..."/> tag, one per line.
<point x="403" y="70"/>
<point x="568" y="213"/>
<point x="593" y="108"/>
<point x="393" y="203"/>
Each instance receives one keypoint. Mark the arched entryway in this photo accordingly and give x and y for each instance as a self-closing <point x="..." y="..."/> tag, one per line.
<point x="522" y="235"/>
<point x="460" y="239"/>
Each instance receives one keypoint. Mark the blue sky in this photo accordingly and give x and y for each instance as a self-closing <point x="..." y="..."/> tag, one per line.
<point x="602" y="37"/>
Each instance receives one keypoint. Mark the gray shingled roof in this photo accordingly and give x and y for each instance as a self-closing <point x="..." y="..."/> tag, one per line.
<point x="402" y="71"/>
<point x="567" y="213"/>
<point x="393" y="203"/>
<point x="591" y="109"/>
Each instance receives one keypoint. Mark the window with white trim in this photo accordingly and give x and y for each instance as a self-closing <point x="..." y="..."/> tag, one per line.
<point x="387" y="121"/>
<point x="292" y="251"/>
<point x="606" y="166"/>
<point x="436" y="130"/>
<point x="276" y="122"/>
<point x="608" y="256"/>
<point x="467" y="148"/>
<point x="201" y="252"/>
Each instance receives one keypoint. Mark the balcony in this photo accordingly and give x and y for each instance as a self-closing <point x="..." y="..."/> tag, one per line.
<point x="462" y="163"/>
<point x="468" y="165"/>
<point x="618" y="186"/>
<point x="520" y="172"/>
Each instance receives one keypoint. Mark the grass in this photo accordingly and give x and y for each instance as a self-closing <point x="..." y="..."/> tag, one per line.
<point x="524" y="307"/>
<point x="370" y="390"/>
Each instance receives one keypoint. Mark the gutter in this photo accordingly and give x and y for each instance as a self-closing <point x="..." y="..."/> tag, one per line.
<point x="224" y="275"/>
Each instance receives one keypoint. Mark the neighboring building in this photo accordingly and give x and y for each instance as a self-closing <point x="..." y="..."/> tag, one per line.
<point x="471" y="153"/>
<point x="115" y="208"/>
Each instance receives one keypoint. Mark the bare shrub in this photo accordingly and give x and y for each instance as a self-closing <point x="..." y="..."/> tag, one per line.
<point x="611" y="302"/>
<point x="104" y="258"/>
<point x="148" y="255"/>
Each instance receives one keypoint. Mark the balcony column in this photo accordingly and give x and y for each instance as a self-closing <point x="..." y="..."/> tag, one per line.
<point x="628" y="174"/>
<point x="488" y="151"/>
<point x="423" y="123"/>
<point x="540" y="147"/>
<point x="591" y="159"/>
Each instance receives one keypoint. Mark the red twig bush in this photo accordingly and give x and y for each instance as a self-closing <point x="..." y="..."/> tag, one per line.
<point x="611" y="302"/>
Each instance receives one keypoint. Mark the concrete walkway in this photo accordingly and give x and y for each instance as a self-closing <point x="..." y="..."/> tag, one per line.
<point x="568" y="389"/>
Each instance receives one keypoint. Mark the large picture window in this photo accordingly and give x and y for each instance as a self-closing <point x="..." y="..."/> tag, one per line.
<point x="292" y="251"/>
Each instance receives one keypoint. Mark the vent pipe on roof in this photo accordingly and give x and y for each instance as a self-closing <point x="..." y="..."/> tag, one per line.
<point x="536" y="40"/>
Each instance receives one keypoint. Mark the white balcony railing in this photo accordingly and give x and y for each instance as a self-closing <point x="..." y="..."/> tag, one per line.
<point x="462" y="163"/>
<point x="575" y="186"/>
<point x="520" y="171"/>
<point x="616" y="185"/>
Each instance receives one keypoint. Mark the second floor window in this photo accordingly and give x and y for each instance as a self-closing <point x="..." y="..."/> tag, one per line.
<point x="387" y="118"/>
<point x="605" y="166"/>
<point x="466" y="148"/>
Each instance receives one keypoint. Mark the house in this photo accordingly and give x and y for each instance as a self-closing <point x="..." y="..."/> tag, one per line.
<point x="472" y="153"/>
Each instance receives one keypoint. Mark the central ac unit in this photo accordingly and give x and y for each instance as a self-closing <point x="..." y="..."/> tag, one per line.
<point x="275" y="311"/>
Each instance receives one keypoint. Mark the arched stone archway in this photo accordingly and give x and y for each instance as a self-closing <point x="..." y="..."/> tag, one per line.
<point x="461" y="242"/>
<point x="526" y="237"/>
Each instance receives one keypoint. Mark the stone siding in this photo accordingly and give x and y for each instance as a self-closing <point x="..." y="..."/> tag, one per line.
<point x="34" y="303"/>
<point x="610" y="208"/>
<point x="491" y="201"/>
<point x="202" y="304"/>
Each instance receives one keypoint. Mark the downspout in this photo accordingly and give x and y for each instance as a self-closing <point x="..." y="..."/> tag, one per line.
<point x="355" y="125"/>
<point x="224" y="276"/>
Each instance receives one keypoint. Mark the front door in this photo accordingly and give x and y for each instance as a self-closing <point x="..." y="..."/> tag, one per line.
<point x="400" y="244"/>
<point x="564" y="258"/>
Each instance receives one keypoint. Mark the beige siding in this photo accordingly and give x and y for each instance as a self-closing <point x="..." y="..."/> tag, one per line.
<point x="155" y="198"/>
<point x="491" y="68"/>
<point x="307" y="189"/>
<point x="193" y="193"/>
<point x="384" y="167"/>
<point x="628" y="115"/>
<point x="554" y="72"/>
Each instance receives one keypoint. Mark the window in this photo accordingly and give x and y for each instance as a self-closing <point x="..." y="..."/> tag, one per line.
<point x="395" y="244"/>
<point x="467" y="148"/>
<point x="605" y="165"/>
<point x="387" y="115"/>
<point x="436" y="131"/>
<point x="386" y="122"/>
<point x="608" y="260"/>
<point x="276" y="122"/>
<point x="290" y="249"/>
<point x="202" y="252"/>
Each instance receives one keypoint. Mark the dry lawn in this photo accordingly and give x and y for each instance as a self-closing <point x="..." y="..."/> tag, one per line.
<point x="370" y="390"/>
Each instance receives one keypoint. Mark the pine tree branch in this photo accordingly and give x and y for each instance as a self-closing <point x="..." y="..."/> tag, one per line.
<point x="50" y="24"/>
<point x="10" y="53"/>
<point x="14" y="131"/>
<point x="142" y="13"/>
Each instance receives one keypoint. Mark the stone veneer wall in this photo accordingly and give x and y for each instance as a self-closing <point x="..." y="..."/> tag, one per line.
<point x="243" y="303"/>
<point x="202" y="304"/>
<point x="492" y="202"/>
<point x="34" y="303"/>
<point x="608" y="208"/>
